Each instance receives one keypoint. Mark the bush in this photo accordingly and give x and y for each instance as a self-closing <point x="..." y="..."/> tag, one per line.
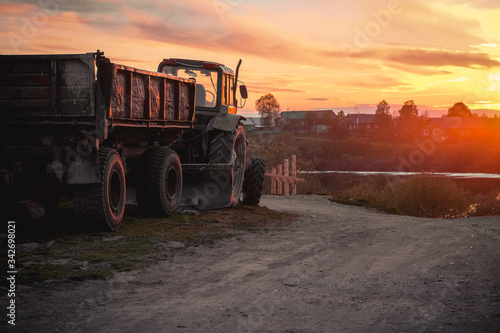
<point x="367" y="193"/>
<point x="486" y="204"/>
<point x="311" y="185"/>
<point x="425" y="195"/>
<point x="365" y="190"/>
<point x="429" y="195"/>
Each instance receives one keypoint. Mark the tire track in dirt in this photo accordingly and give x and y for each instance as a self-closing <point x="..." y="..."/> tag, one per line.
<point x="336" y="269"/>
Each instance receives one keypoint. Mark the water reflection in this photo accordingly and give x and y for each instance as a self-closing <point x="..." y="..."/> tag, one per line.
<point x="401" y="173"/>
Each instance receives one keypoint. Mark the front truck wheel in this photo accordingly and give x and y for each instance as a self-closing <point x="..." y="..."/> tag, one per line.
<point x="102" y="205"/>
<point x="230" y="148"/>
<point x="159" y="190"/>
<point x="254" y="181"/>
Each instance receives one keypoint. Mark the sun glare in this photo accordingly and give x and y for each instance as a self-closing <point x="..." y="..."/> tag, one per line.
<point x="494" y="79"/>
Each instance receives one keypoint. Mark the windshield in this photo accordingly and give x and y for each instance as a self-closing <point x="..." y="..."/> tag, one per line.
<point x="206" y="83"/>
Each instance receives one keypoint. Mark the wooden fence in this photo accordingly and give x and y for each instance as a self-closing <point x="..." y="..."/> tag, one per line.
<point x="281" y="178"/>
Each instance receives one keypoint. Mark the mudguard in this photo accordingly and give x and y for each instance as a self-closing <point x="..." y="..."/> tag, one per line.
<point x="218" y="183"/>
<point x="225" y="122"/>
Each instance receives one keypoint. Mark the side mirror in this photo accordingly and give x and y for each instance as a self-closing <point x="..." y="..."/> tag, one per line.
<point x="243" y="91"/>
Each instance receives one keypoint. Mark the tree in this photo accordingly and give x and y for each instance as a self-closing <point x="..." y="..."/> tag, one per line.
<point x="269" y="109"/>
<point x="337" y="131"/>
<point x="408" y="111"/>
<point x="408" y="120"/>
<point x="459" y="110"/>
<point x="383" y="117"/>
<point x="383" y="108"/>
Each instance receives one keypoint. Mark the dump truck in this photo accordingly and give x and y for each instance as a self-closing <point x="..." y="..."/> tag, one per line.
<point x="83" y="127"/>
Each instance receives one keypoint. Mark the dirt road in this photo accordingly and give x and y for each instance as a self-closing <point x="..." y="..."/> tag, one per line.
<point x="336" y="269"/>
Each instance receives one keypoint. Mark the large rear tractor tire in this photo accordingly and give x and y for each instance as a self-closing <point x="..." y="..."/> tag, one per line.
<point x="159" y="190"/>
<point x="101" y="206"/>
<point x="230" y="147"/>
<point x="254" y="181"/>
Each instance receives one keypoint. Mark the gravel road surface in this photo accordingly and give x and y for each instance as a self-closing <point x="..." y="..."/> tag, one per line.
<point x="335" y="269"/>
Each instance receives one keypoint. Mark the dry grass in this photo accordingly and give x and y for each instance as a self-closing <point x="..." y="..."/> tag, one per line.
<point x="61" y="249"/>
<point x="424" y="195"/>
<point x="429" y="195"/>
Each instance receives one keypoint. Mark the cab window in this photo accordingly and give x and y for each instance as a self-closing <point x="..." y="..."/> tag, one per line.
<point x="228" y="90"/>
<point x="206" y="83"/>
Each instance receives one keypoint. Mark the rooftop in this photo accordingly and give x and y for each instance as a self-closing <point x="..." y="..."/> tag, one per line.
<point x="303" y="114"/>
<point x="361" y="118"/>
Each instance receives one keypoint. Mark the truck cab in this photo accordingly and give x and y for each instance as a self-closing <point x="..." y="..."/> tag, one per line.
<point x="216" y="147"/>
<point x="216" y="85"/>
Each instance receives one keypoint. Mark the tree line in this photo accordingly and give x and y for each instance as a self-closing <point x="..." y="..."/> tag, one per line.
<point x="408" y="122"/>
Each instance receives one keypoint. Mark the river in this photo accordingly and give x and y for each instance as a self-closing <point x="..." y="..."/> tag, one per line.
<point x="402" y="174"/>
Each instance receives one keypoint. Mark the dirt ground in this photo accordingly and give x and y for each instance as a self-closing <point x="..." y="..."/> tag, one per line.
<point x="335" y="269"/>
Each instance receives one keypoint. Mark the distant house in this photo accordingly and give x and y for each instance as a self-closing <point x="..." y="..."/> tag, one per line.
<point x="294" y="121"/>
<point x="308" y="121"/>
<point x="453" y="128"/>
<point x="253" y="124"/>
<point x="359" y="123"/>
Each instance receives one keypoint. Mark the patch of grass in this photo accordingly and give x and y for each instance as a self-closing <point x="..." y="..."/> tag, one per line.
<point x="93" y="274"/>
<point x="43" y="272"/>
<point x="60" y="249"/>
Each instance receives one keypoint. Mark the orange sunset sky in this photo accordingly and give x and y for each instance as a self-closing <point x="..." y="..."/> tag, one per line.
<point x="309" y="54"/>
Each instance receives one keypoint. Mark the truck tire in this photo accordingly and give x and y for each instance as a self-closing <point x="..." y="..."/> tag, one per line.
<point x="254" y="181"/>
<point x="101" y="206"/>
<point x="230" y="147"/>
<point x="159" y="190"/>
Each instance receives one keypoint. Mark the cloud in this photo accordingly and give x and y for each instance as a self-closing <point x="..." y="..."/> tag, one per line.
<point x="121" y="60"/>
<point x="235" y="37"/>
<point x="431" y="58"/>
<point x="481" y="4"/>
<point x="425" y="71"/>
<point x="422" y="57"/>
<point x="203" y="25"/>
<point x="271" y="88"/>
<point x="373" y="82"/>
<point x="318" y="99"/>
<point x="282" y="83"/>
<point x="87" y="6"/>
<point x="433" y="38"/>
<point x="433" y="25"/>
<point x="12" y="8"/>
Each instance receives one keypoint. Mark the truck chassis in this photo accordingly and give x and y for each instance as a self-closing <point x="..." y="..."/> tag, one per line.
<point x="84" y="126"/>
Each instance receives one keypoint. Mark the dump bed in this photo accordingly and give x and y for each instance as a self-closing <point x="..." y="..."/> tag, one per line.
<point x="47" y="86"/>
<point x="88" y="89"/>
